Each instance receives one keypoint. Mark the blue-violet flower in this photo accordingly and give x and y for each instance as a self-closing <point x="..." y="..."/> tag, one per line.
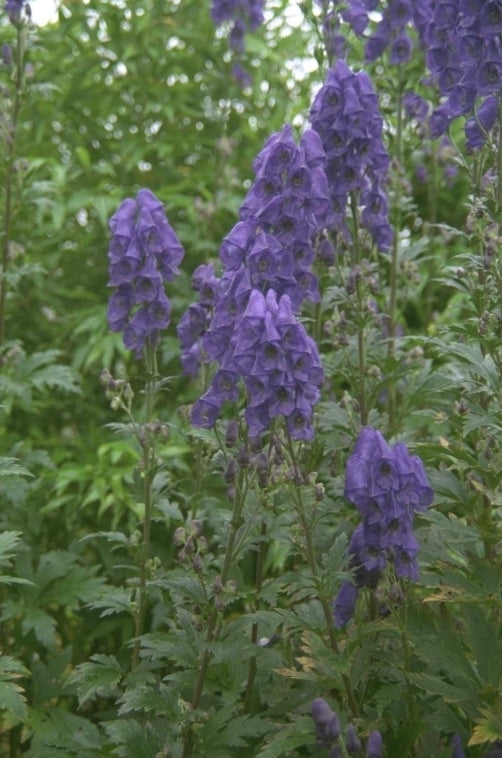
<point x="144" y="253"/>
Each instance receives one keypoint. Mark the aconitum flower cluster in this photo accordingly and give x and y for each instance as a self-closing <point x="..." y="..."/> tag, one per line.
<point x="144" y="253"/>
<point x="279" y="364"/>
<point x="387" y="486"/>
<point x="464" y="55"/>
<point x="345" y="114"/>
<point x="328" y="732"/>
<point x="14" y="8"/>
<point x="394" y="28"/>
<point x="267" y="258"/>
<point x="286" y="206"/>
<point x="244" y="15"/>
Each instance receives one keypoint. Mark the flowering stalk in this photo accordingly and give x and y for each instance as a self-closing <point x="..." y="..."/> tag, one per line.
<point x="394" y="262"/>
<point x="148" y="465"/>
<point x="312" y="562"/>
<point x="9" y="171"/>
<point x="254" y="629"/>
<point x="215" y="619"/>
<point x="361" y="336"/>
<point x="144" y="253"/>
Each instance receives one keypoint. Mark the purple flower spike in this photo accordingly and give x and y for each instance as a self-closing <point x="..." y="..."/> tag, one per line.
<point x="244" y="15"/>
<point x="267" y="259"/>
<point x="387" y="486"/>
<point x="465" y="58"/>
<point x="144" y="253"/>
<point x="327" y="724"/>
<point x="345" y="115"/>
<point x="279" y="364"/>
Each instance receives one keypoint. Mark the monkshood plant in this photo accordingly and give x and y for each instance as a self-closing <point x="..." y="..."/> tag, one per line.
<point x="309" y="560"/>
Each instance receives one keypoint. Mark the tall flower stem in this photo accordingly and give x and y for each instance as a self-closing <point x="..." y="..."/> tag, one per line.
<point x="254" y="629"/>
<point x="410" y="702"/>
<point x="215" y="619"/>
<point x="394" y="261"/>
<point x="9" y="171"/>
<point x="148" y="465"/>
<point x="361" y="335"/>
<point x="312" y="562"/>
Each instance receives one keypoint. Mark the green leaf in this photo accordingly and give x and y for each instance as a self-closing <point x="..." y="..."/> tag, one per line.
<point x="298" y="734"/>
<point x="97" y="677"/>
<point x="43" y="625"/>
<point x="485" y="641"/>
<point x="12" y="697"/>
<point x="9" y="542"/>
<point x="10" y="467"/>
<point x="134" y="740"/>
<point x="60" y="734"/>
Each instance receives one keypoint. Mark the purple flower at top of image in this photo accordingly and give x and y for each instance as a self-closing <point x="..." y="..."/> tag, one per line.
<point x="244" y="15"/>
<point x="464" y="55"/>
<point x="345" y="114"/>
<point x="387" y="486"/>
<point x="144" y="253"/>
<point x="394" y="28"/>
<point x="250" y="12"/>
<point x="14" y="8"/>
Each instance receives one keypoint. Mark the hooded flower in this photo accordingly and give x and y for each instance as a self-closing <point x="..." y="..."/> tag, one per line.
<point x="269" y="350"/>
<point x="345" y="114"/>
<point x="464" y="55"/>
<point x="144" y="253"/>
<point x="387" y="486"/>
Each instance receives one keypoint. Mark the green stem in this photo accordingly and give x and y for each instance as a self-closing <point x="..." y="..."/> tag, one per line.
<point x="410" y="703"/>
<point x="499" y="171"/>
<point x="312" y="562"/>
<point x="394" y="263"/>
<point x="214" y="621"/>
<point x="148" y="474"/>
<point x="9" y="163"/>
<point x="254" y="629"/>
<point x="361" y="335"/>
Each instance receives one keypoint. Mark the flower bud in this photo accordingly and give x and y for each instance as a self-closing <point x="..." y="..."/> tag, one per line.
<point x="374" y="747"/>
<point x="179" y="535"/>
<point x="230" y="472"/>
<point x="320" y="710"/>
<point x="196" y="528"/>
<point x="352" y="741"/>
<point x="189" y="546"/>
<point x="232" y="433"/>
